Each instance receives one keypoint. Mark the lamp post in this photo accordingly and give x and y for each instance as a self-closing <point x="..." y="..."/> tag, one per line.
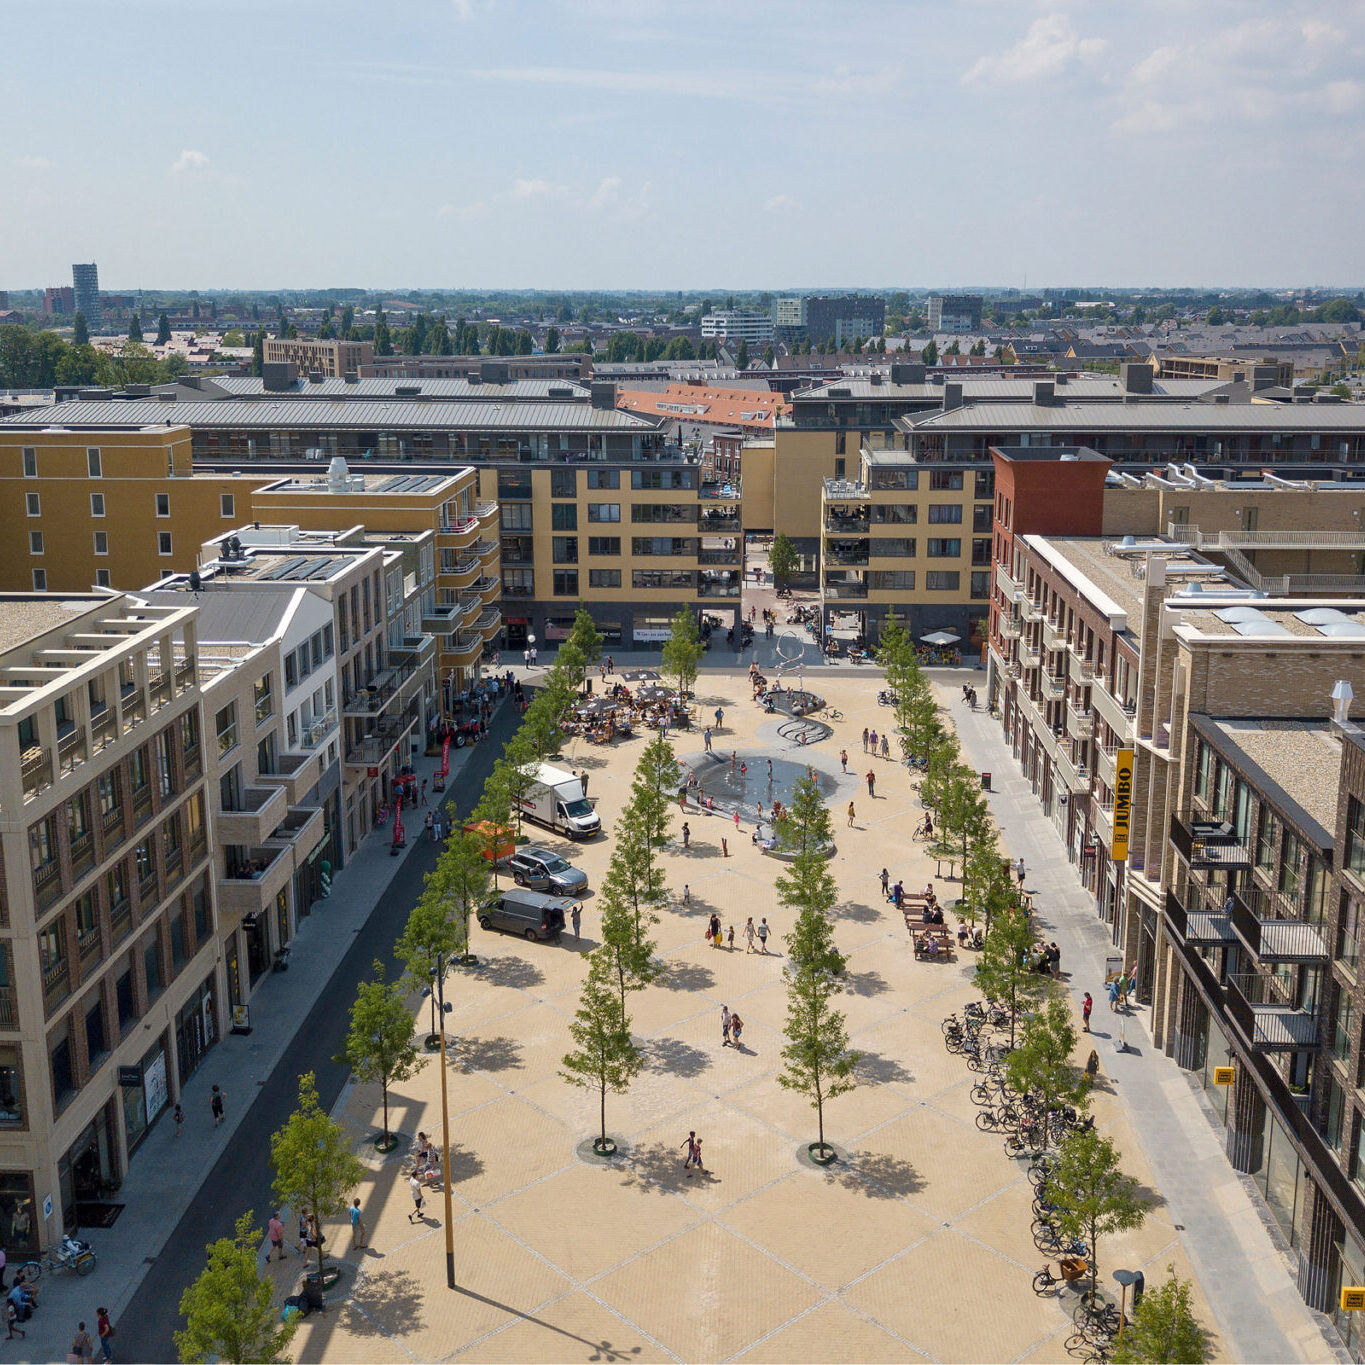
<point x="1125" y="1278"/>
<point x="437" y="988"/>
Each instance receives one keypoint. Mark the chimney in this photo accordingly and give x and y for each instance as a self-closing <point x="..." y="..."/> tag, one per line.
<point x="952" y="397"/>
<point x="495" y="372"/>
<point x="1342" y="694"/>
<point x="1134" y="378"/>
<point x="603" y="395"/>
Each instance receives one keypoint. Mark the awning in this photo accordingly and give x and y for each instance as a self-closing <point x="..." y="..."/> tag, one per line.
<point x="940" y="637"/>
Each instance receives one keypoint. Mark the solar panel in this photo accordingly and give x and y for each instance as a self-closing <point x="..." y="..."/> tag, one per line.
<point x="284" y="570"/>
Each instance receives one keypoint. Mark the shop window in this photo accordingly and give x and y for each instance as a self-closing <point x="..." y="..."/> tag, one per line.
<point x="151" y="961"/>
<point x="63" y="1073"/>
<point x="96" y="1035"/>
<point x="11" y="1090"/>
<point x="124" y="1001"/>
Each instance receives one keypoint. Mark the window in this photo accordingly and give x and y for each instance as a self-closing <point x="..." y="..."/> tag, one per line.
<point x="942" y="582"/>
<point x="102" y="578"/>
<point x="604" y="578"/>
<point x="981" y="518"/>
<point x="265" y="698"/>
<point x="151" y="961"/>
<point x="96" y="1036"/>
<point x="892" y="580"/>
<point x="1348" y="933"/>
<point x="564" y="516"/>
<point x="93" y="462"/>
<point x="1342" y="1025"/>
<point x="518" y="582"/>
<point x="116" y="890"/>
<point x="663" y="478"/>
<point x="189" y="732"/>
<point x="604" y="545"/>
<point x="78" y="816"/>
<point x="30" y="463"/>
<point x="87" y="921"/>
<point x="1333" y="1128"/>
<point x="565" y="549"/>
<point x="163" y="542"/>
<point x="52" y="948"/>
<point x="63" y="1076"/>
<point x="1355" y="837"/>
<point x="291" y="670"/>
<point x="123" y="995"/>
<point x="163" y="504"/>
<point x="225" y="727"/>
<point x="943" y="549"/>
<point x="40" y="580"/>
<point x="106" y="789"/>
<point x="604" y="478"/>
<point x="564" y="483"/>
<point x="893" y="547"/>
<point x="945" y="480"/>
<point x="227" y="504"/>
<point x="42" y="844"/>
<point x="35" y="542"/>
<point x="566" y="583"/>
<point x="137" y="773"/>
<point x="34" y="504"/>
<point x="604" y="511"/>
<point x="683" y="579"/>
<point x="895" y="514"/>
<point x="516" y="516"/>
<point x="97" y="504"/>
<point x="981" y="583"/>
<point x="102" y="543"/>
<point x="945" y="513"/>
<point x="1291" y="865"/>
<point x="142" y="862"/>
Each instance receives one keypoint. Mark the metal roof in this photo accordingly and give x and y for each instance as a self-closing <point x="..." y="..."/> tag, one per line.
<point x="1143" y="416"/>
<point x="366" y="414"/>
<point x="253" y="386"/>
<point x="993" y="389"/>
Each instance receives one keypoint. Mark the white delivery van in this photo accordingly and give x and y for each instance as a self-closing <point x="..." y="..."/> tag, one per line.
<point x="555" y="799"/>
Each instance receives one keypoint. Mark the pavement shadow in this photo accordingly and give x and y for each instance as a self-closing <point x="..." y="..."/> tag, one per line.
<point x="858" y="912"/>
<point x="865" y="983"/>
<point x="464" y="1164"/>
<point x="487" y="1054"/>
<point x="687" y="976"/>
<point x="878" y="1175"/>
<point x="881" y="1070"/>
<point x="514" y="973"/>
<point x="658" y="1169"/>
<point x="387" y="1302"/>
<point x="676" y="1057"/>
<point x="597" y="1350"/>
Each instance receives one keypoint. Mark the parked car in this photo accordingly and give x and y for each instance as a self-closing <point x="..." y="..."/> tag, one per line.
<point x="529" y="913"/>
<point x="543" y="870"/>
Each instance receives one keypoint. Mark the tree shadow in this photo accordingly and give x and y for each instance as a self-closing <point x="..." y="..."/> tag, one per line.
<point x="386" y="1303"/>
<point x="675" y="1057"/>
<point x="865" y="983"/>
<point x="878" y="1175"/>
<point x="464" y="1164"/>
<point x="515" y="973"/>
<point x="687" y="976"/>
<point x="658" y="1169"/>
<point x="881" y="1070"/>
<point x="487" y="1054"/>
<point x="858" y="913"/>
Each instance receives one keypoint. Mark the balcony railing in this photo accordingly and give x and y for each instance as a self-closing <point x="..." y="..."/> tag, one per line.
<point x="9" y="1008"/>
<point x="845" y="591"/>
<point x="1054" y="637"/>
<point x="71" y="749"/>
<point x="1199" y="928"/>
<point x="1053" y="688"/>
<point x="36" y="770"/>
<point x="1269" y="937"/>
<point x="1106" y="765"/>
<point x="1079" y="721"/>
<point x="1117" y="716"/>
<point x="1267" y="1018"/>
<point x="1030" y="654"/>
<point x="848" y="525"/>
<point x="1010" y="626"/>
<point x="382" y="688"/>
<point x="1208" y="843"/>
<point x="1080" y="669"/>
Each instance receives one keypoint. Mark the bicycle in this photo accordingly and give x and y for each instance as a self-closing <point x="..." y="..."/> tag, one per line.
<point x="1068" y="1270"/>
<point x="69" y="1254"/>
<point x="831" y="713"/>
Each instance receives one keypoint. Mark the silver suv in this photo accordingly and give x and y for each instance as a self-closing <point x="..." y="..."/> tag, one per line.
<point x="543" y="870"/>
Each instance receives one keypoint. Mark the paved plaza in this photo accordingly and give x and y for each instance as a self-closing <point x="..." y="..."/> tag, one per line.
<point x="917" y="1245"/>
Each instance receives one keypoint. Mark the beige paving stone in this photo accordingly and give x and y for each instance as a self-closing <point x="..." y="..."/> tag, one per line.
<point x="706" y="1294"/>
<point x="509" y="1144"/>
<point x="830" y="1333"/>
<point x="574" y="1328"/>
<point x="847" y="1117"/>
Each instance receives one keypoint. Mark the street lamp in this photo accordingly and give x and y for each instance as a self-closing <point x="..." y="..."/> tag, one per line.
<point x="437" y="988"/>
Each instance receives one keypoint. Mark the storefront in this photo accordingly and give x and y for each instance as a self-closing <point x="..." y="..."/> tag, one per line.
<point x="18" y="1214"/>
<point x="146" y="1092"/>
<point x="257" y="946"/>
<point x="88" y="1173"/>
<point x="196" y="1028"/>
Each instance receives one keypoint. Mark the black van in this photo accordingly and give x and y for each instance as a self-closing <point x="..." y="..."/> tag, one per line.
<point x="531" y="913"/>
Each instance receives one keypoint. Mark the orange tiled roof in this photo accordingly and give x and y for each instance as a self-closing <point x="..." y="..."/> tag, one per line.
<point x="714" y="405"/>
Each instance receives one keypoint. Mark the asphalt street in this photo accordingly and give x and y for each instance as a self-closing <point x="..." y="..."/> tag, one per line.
<point x="241" y="1178"/>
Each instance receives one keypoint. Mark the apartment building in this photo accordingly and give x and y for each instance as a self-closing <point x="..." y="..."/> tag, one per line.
<point x="85" y="292"/>
<point x="110" y="993"/>
<point x="954" y="312"/>
<point x="332" y="358"/>
<point x="845" y="317"/>
<point x="1260" y="374"/>
<point x="736" y="324"/>
<point x="557" y="365"/>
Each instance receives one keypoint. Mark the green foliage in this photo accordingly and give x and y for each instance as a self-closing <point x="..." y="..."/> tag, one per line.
<point x="586" y="636"/>
<point x="383" y="341"/>
<point x="163" y="330"/>
<point x="434" y="933"/>
<point x="963" y="813"/>
<point x="233" y="337"/>
<point x="682" y="651"/>
<point x="312" y="1160"/>
<point x="379" y="1044"/>
<point x="1164" y="1329"/>
<point x="929" y="355"/>
<point x="551" y="340"/>
<point x="783" y="559"/>
<point x="1092" y="1195"/>
<point x="1042" y="1064"/>
<point x="492" y="816"/>
<point x="805" y="831"/>
<point x="605" y="1057"/>
<point x="987" y="888"/>
<point x="80" y="331"/>
<point x="1002" y="968"/>
<point x="228" y="1311"/>
<point x="742" y="355"/>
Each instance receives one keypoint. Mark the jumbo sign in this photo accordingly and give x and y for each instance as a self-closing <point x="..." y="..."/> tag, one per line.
<point x="1123" y="804"/>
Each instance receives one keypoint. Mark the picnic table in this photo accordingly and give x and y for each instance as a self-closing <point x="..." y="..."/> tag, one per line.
<point x="932" y="941"/>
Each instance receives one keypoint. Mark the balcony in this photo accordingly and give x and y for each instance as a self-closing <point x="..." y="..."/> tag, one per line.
<point x="417" y="648"/>
<point x="463" y="571"/>
<point x="1118" y="717"/>
<point x="1079" y="721"/>
<point x="718" y="523"/>
<point x="296" y="774"/>
<point x="1104" y="822"/>
<point x="1106" y="765"/>
<point x="379" y="693"/>
<point x="36" y="770"/>
<point x="1054" y="637"/>
<point x="71" y="749"/>
<point x="257" y="812"/>
<point x="1010" y="588"/>
<point x="1029" y="653"/>
<point x="724" y="490"/>
<point x="1072" y="776"/>
<point x="1011" y="627"/>
<point x="442" y="618"/>
<point x="1053" y="688"/>
<point x="1205" y="842"/>
<point x="383" y="738"/>
<point x="1199" y="928"/>
<point x="252" y="892"/>
<point x="314" y="732"/>
<point x="729" y="557"/>
<point x="489" y="622"/>
<point x="1030" y="610"/>
<point x="1266" y="1017"/>
<point x="485" y="550"/>
<point x="838" y="523"/>
<point x="458" y="531"/>
<point x="488" y="589"/>
<point x="1078" y="667"/>
<point x="841" y="590"/>
<point x="463" y="650"/>
<point x="302" y="829"/>
<point x="847" y="554"/>
<point x="1269" y="938"/>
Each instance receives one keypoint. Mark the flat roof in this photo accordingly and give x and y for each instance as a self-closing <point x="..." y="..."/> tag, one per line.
<point x="446" y="390"/>
<point x="1300" y="757"/>
<point x="998" y="389"/>
<point x="25" y="616"/>
<point x="1141" y="416"/>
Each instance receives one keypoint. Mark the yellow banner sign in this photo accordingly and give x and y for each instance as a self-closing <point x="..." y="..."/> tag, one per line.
<point x="1123" y="804"/>
<point x="1224" y="1075"/>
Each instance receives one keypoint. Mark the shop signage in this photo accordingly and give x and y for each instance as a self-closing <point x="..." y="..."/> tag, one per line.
<point x="241" y="1019"/>
<point x="154" y="1085"/>
<point x="651" y="635"/>
<point x="131" y="1076"/>
<point x="1352" y="1298"/>
<point x="1224" y="1075"/>
<point x="1123" y="804"/>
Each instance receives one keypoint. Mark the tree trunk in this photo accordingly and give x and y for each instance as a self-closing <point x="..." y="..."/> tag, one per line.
<point x="603" y="1097"/>
<point x="384" y="1089"/>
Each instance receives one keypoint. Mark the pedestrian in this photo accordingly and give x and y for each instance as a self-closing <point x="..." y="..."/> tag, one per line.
<point x="724" y="848"/>
<point x="82" y="1348"/>
<point x="301" y="1246"/>
<point x="872" y="741"/>
<point x="871" y="783"/>
<point x="696" y="1153"/>
<point x="749" y="934"/>
<point x="713" y="930"/>
<point x="736" y="1028"/>
<point x="1086" y="1006"/>
<point x="1054" y="957"/>
<point x="275" y="1230"/>
<point x="425" y="781"/>
<point x="611" y="664"/>
<point x="864" y="739"/>
<point x="736" y="817"/>
<point x="526" y="657"/>
<point x="720" y="717"/>
<point x="415" y="1185"/>
<point x="430" y="822"/>
<point x="216" y="1105"/>
<point x="886" y="747"/>
<point x="687" y="835"/>
<point x="734" y="759"/>
<point x="357" y="1225"/>
<point x="1019" y="872"/>
<point x="730" y="939"/>
<point x="850" y="815"/>
<point x="763" y="935"/>
<point x="576" y="915"/>
<point x="687" y="894"/>
<point x="691" y="1145"/>
<point x="583" y="777"/>
<point x="104" y="1329"/>
<point x="1114" y="996"/>
<point x="706" y="738"/>
<point x="535" y="654"/>
<point x="725" y="1026"/>
<point x="12" y="1320"/>
<point x="898" y="896"/>
<point x="770" y="771"/>
<point x="179" y="1117"/>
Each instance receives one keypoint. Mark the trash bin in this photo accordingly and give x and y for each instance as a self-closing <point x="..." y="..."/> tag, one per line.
<point x="1139" y="1288"/>
<point x="985" y="782"/>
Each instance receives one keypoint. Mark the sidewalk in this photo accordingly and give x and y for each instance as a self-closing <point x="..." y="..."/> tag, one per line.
<point x="1260" y="1314"/>
<point x="166" y="1172"/>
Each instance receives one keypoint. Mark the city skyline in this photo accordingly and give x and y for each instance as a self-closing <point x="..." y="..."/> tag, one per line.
<point x="481" y="145"/>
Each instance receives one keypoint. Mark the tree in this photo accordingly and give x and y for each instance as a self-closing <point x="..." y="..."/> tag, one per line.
<point x="606" y="1057"/>
<point x="233" y="337"/>
<point x="963" y="812"/>
<point x="586" y="636"/>
<point x="551" y="340"/>
<point x="1216" y="317"/>
<point x="312" y="1160"/>
<point x="929" y="355"/>
<point x="163" y="329"/>
<point x="1003" y="973"/>
<point x="80" y="331"/>
<point x="134" y="328"/>
<point x="379" y="1044"/>
<point x="258" y="352"/>
<point x="228" y="1311"/>
<point x="682" y="650"/>
<point x="768" y="356"/>
<point x="431" y="937"/>
<point x="383" y="341"/>
<point x="1041" y="1065"/>
<point x="783" y="559"/>
<point x="1163" y="1329"/>
<point x="1093" y="1197"/>
<point x="742" y="355"/>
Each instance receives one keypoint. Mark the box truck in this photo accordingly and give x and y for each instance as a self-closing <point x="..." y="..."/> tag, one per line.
<point x="555" y="799"/>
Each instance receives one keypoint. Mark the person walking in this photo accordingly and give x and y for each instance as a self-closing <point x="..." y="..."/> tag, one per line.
<point x="583" y="778"/>
<point x="843" y="758"/>
<point x="1019" y="872"/>
<point x="696" y="1152"/>
<point x="1086" y="1006"/>
<point x="687" y="835"/>
<point x="763" y="935"/>
<point x="886" y="884"/>
<point x="179" y="1117"/>
<point x="429" y="821"/>
<point x="82" y="1348"/>
<point x="886" y="747"/>
<point x="725" y="1026"/>
<point x="871" y="783"/>
<point x="872" y="742"/>
<point x="275" y="1230"/>
<point x="749" y="934"/>
<point x="692" y="1153"/>
<point x="1114" y="996"/>
<point x="687" y="894"/>
<point x="713" y="930"/>
<point x="425" y="782"/>
<point x="576" y="915"/>
<point x="898" y="896"/>
<point x="850" y="815"/>
<point x="104" y="1330"/>
<point x="730" y="938"/>
<point x="864" y="739"/>
<point x="736" y="1028"/>
<point x="357" y="1225"/>
<point x="216" y="1106"/>
<point x="415" y="1185"/>
<point x="706" y="739"/>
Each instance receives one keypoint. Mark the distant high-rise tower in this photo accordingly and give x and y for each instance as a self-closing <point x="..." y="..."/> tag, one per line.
<point x="86" y="281"/>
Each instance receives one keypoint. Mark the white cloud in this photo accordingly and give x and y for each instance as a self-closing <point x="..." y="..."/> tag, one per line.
<point x="607" y="194"/>
<point x="464" y="213"/>
<point x="1343" y="97"/>
<point x="33" y="163"/>
<point x="190" y="160"/>
<point x="536" y="189"/>
<point x="1049" y="47"/>
<point x="780" y="203"/>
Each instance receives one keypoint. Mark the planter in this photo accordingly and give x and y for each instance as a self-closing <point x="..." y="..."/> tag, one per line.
<point x="385" y="1144"/>
<point x="433" y="1042"/>
<point x="607" y="1148"/>
<point x="822" y="1158"/>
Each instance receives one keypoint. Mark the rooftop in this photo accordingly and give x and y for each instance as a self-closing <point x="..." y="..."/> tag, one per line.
<point x="446" y="390"/>
<point x="25" y="616"/>
<point x="989" y="388"/>
<point x="1301" y="757"/>
<point x="1139" y="416"/>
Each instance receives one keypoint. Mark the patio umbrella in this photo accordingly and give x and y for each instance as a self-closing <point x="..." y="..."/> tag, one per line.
<point x="940" y="637"/>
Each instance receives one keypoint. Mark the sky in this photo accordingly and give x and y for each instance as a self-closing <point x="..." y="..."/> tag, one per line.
<point x="682" y="144"/>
